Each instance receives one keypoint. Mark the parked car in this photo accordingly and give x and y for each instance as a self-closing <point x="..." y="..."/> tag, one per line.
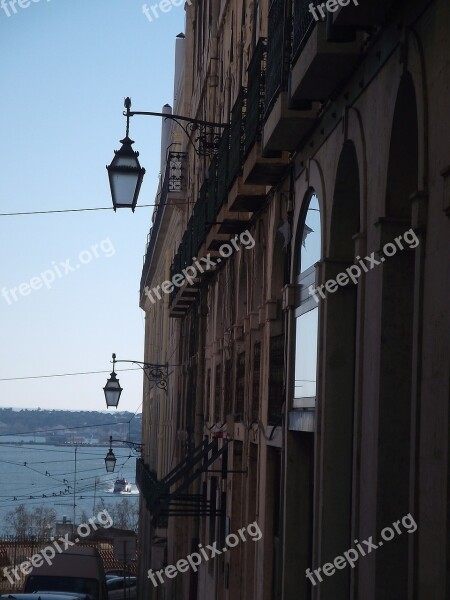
<point x="117" y="573"/>
<point x="116" y="591"/>
<point x="77" y="570"/>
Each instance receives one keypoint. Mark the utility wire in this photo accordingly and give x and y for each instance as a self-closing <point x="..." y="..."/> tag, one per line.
<point x="67" y="210"/>
<point x="74" y="210"/>
<point x="64" y="375"/>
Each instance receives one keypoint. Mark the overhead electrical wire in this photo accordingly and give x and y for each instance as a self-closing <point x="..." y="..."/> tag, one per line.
<point x="65" y="374"/>
<point x="75" y="210"/>
<point x="67" y="210"/>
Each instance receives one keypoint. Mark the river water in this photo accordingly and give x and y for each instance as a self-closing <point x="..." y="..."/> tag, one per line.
<point x="43" y="475"/>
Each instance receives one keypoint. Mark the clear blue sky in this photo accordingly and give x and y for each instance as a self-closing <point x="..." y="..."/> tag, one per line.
<point x="66" y="67"/>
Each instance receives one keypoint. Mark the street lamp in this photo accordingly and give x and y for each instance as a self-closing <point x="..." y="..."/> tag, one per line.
<point x="110" y="461"/>
<point x="110" y="458"/>
<point x="155" y="373"/>
<point x="112" y="389"/>
<point x="125" y="176"/>
<point x="125" y="172"/>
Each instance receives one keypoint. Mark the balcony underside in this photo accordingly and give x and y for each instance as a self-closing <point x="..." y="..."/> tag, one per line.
<point x="262" y="170"/>
<point x="367" y="13"/>
<point x="285" y="128"/>
<point x="182" y="302"/>
<point x="245" y="197"/>
<point x="228" y="223"/>
<point x="322" y="66"/>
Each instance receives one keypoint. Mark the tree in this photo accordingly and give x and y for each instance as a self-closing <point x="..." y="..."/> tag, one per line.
<point x="23" y="523"/>
<point x="18" y="521"/>
<point x="125" y="514"/>
<point x="43" y="519"/>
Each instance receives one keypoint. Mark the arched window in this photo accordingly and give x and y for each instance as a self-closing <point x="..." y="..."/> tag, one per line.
<point x="309" y="246"/>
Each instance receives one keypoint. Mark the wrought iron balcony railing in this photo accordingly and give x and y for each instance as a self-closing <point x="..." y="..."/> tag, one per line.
<point x="199" y="219"/>
<point x="212" y="204"/>
<point x="176" y="172"/>
<point x="278" y="50"/>
<point x="194" y="236"/>
<point x="237" y="135"/>
<point x="303" y="24"/>
<point x="256" y="93"/>
<point x="222" y="170"/>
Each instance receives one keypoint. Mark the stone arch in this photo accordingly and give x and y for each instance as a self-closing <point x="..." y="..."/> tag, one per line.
<point x="336" y="406"/>
<point x="402" y="174"/>
<point x="355" y="134"/>
<point x="417" y="70"/>
<point x="301" y="434"/>
<point x="345" y="214"/>
<point x="396" y="343"/>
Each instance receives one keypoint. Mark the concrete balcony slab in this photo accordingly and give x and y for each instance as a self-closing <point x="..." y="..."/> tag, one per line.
<point x="262" y="170"/>
<point x="285" y="128"/>
<point x="322" y="66"/>
<point x="366" y="13"/>
<point x="246" y="197"/>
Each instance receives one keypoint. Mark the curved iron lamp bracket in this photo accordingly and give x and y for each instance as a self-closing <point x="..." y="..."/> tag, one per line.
<point x="132" y="445"/>
<point x="202" y="135"/>
<point x="157" y="374"/>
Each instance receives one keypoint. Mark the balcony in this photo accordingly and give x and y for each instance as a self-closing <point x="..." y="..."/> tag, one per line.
<point x="193" y="243"/>
<point x="182" y="298"/>
<point x="278" y="51"/>
<point x="286" y="123"/>
<point x="323" y="55"/>
<point x="258" y="169"/>
<point x="225" y="216"/>
<point x="242" y="196"/>
<point x="369" y="13"/>
<point x="303" y="24"/>
<point x="285" y="128"/>
<point x="172" y="192"/>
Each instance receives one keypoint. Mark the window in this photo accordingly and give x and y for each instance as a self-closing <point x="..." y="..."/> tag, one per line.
<point x="306" y="310"/>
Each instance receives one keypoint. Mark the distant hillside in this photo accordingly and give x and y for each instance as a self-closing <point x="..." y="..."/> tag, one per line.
<point x="70" y="423"/>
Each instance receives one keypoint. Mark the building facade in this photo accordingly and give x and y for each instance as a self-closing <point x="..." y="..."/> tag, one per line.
<point x="301" y="247"/>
